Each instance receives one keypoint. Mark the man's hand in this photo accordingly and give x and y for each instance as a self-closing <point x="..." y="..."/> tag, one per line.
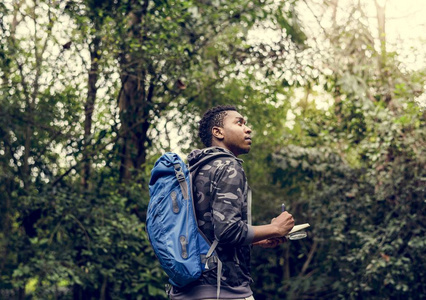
<point x="270" y="243"/>
<point x="284" y="223"/>
<point x="279" y="227"/>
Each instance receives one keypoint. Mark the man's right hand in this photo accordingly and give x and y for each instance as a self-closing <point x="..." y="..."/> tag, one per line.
<point x="284" y="223"/>
<point x="279" y="227"/>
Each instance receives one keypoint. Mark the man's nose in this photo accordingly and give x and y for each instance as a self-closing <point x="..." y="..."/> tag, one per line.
<point x="247" y="129"/>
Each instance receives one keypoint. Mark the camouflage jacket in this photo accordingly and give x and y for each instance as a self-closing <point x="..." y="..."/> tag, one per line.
<point x="220" y="191"/>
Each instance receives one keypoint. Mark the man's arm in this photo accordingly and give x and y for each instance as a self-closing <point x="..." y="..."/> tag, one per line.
<point x="270" y="243"/>
<point x="228" y="185"/>
<point x="227" y="197"/>
<point x="279" y="227"/>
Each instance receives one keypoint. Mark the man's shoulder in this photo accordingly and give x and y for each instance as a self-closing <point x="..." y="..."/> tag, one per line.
<point x="203" y="156"/>
<point x="220" y="165"/>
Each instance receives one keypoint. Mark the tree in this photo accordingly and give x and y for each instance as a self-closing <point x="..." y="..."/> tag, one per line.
<point x="33" y="122"/>
<point x="86" y="108"/>
<point x="81" y="108"/>
<point x="341" y="169"/>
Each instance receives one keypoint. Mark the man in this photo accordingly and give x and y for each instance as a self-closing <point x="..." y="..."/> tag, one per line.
<point x="222" y="208"/>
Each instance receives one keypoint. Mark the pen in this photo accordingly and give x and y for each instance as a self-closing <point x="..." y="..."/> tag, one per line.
<point x="282" y="207"/>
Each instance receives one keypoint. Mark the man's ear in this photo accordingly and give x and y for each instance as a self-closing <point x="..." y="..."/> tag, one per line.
<point x="217" y="132"/>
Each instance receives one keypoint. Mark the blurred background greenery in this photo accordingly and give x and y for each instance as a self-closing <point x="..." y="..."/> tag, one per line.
<point x="92" y="92"/>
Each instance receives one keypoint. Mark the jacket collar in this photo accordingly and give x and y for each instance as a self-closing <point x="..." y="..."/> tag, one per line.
<point x="198" y="154"/>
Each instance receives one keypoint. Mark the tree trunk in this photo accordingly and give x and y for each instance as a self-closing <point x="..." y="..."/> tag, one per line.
<point x="88" y="109"/>
<point x="103" y="294"/>
<point x="386" y="79"/>
<point x="135" y="97"/>
<point x="334" y="4"/>
<point x="134" y="114"/>
<point x="27" y="146"/>
<point x="6" y="223"/>
<point x="286" y="263"/>
<point x="381" y="22"/>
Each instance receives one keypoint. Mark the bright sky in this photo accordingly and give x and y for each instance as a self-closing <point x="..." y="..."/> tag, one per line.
<point x="406" y="19"/>
<point x="405" y="22"/>
<point x="405" y="26"/>
<point x="405" y="30"/>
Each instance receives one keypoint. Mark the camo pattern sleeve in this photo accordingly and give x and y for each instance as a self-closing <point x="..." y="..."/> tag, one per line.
<point x="229" y="203"/>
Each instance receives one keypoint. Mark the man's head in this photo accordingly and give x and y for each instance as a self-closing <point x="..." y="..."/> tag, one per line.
<point x="223" y="126"/>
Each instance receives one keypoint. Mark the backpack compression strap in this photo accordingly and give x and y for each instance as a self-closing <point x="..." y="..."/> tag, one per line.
<point x="180" y="176"/>
<point x="182" y="182"/>
<point x="219" y="265"/>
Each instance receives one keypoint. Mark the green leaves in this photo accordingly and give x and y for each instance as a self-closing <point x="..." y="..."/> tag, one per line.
<point x="337" y="136"/>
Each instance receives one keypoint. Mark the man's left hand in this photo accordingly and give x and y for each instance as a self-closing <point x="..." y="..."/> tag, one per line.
<point x="270" y="243"/>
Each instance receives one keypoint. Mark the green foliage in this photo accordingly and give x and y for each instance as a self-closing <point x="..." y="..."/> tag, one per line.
<point x="69" y="224"/>
<point x="366" y="214"/>
<point x="92" y="241"/>
<point x="353" y="169"/>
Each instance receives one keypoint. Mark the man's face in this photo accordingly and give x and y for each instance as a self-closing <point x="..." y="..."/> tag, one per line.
<point x="236" y="135"/>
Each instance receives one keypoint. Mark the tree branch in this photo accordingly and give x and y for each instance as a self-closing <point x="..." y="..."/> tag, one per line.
<point x="309" y="259"/>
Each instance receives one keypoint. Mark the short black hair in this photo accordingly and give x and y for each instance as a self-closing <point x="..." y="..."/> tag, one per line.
<point x="213" y="117"/>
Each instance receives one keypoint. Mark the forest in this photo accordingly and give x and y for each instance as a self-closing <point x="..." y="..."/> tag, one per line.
<point x="92" y="92"/>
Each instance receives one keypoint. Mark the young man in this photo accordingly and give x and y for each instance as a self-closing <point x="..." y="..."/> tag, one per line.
<point x="222" y="208"/>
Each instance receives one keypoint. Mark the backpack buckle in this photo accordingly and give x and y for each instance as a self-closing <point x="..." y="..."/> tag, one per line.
<point x="182" y="181"/>
<point x="179" y="173"/>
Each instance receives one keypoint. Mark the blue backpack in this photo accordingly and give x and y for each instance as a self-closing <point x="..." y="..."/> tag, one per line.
<point x="182" y="249"/>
